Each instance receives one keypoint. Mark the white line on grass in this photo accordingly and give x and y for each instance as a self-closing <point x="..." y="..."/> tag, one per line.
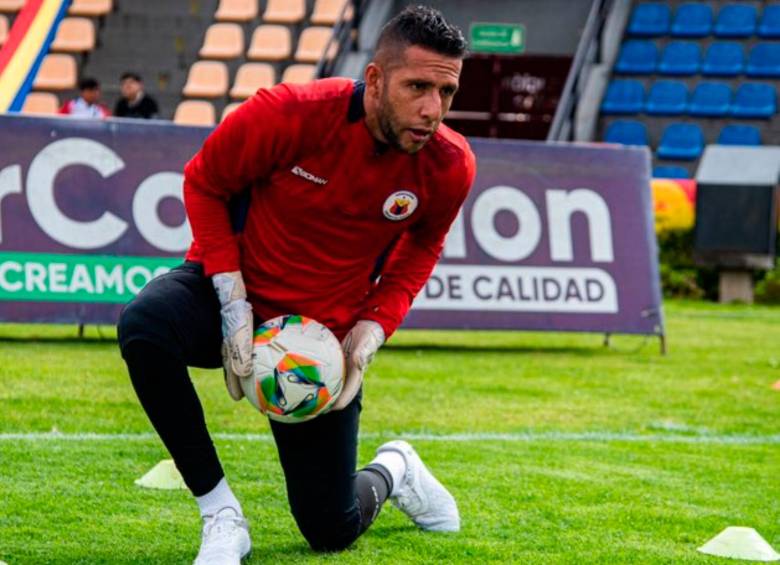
<point x="528" y="437"/>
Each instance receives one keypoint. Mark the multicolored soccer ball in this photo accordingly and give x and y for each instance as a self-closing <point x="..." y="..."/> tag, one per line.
<point x="298" y="369"/>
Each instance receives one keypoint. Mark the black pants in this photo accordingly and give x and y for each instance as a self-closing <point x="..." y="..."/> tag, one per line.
<point x="175" y="323"/>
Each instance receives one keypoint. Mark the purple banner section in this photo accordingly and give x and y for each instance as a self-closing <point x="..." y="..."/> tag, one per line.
<point x="80" y="187"/>
<point x="552" y="237"/>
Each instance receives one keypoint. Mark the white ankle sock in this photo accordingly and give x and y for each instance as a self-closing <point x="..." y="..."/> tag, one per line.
<point x="218" y="498"/>
<point x="395" y="464"/>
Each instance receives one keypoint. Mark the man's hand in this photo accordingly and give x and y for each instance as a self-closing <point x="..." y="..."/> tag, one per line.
<point x="237" y="328"/>
<point x="360" y="346"/>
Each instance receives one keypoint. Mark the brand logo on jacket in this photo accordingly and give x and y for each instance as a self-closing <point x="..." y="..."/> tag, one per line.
<point x="400" y="205"/>
<point x="296" y="170"/>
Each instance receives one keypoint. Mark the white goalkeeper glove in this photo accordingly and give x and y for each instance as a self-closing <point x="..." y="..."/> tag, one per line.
<point x="237" y="328"/>
<point x="360" y="346"/>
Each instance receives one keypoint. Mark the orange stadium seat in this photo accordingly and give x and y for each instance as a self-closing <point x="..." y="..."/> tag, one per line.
<point x="3" y="29"/>
<point x="311" y="44"/>
<point x="11" y="5"/>
<point x="270" y="43"/>
<point x="250" y="77"/>
<point x="91" y="8"/>
<point x="236" y="11"/>
<point x="284" y="11"/>
<point x="74" y="35"/>
<point x="44" y="103"/>
<point x="195" y="113"/>
<point x="57" y="72"/>
<point x="223" y="41"/>
<point x="207" y="79"/>
<point x="230" y="108"/>
<point x="298" y="74"/>
<point x="327" y="12"/>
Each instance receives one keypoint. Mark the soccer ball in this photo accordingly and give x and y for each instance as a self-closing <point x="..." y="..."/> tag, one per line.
<point x="298" y="369"/>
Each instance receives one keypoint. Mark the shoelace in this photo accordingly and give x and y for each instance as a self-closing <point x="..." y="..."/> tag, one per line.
<point x="216" y="525"/>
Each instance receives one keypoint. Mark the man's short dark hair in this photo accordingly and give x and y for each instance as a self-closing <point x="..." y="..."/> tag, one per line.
<point x="425" y="27"/>
<point x="88" y="83"/>
<point x="129" y="74"/>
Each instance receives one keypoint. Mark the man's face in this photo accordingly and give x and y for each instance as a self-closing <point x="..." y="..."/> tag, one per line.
<point x="130" y="88"/>
<point x="91" y="95"/>
<point x="414" y="96"/>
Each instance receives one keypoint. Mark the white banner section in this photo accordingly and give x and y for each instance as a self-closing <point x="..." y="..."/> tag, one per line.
<point x="519" y="289"/>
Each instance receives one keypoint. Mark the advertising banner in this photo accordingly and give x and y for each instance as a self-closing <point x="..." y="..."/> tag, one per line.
<point x="552" y="237"/>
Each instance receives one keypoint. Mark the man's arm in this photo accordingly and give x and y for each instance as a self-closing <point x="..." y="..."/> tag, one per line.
<point x="413" y="258"/>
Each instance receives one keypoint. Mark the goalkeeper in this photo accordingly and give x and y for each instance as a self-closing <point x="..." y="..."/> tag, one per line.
<point x="352" y="187"/>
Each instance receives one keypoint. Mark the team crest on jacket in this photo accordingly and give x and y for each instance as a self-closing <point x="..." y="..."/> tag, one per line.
<point x="400" y="205"/>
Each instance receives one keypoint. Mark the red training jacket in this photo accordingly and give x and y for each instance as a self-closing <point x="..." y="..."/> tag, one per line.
<point x="327" y="202"/>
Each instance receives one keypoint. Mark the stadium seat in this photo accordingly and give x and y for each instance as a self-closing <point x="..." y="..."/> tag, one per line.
<point x="769" y="27"/>
<point x="667" y="98"/>
<point x="680" y="58"/>
<point x="735" y="134"/>
<point x="229" y="109"/>
<point x="223" y="41"/>
<point x="638" y="57"/>
<point x="195" y="113"/>
<point x="270" y="43"/>
<point x="90" y="8"/>
<point x="312" y="43"/>
<point x="724" y="59"/>
<point x="623" y="97"/>
<point x="736" y="20"/>
<point x="207" y="79"/>
<point x="74" y="35"/>
<point x="284" y="11"/>
<point x="754" y="100"/>
<point x="11" y="6"/>
<point x="41" y="103"/>
<point x="626" y="132"/>
<point x="299" y="74"/>
<point x="57" y="72"/>
<point x="327" y="12"/>
<point x="3" y="29"/>
<point x="650" y="19"/>
<point x="250" y="77"/>
<point x="764" y="60"/>
<point x="693" y="19"/>
<point x="710" y="99"/>
<point x="681" y="141"/>
<point x="236" y="11"/>
<point x="670" y="172"/>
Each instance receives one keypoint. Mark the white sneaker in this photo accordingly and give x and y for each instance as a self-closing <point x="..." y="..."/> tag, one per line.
<point x="420" y="496"/>
<point x="225" y="539"/>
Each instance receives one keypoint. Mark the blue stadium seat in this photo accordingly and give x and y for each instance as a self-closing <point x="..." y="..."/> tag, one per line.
<point x="764" y="60"/>
<point x="711" y="99"/>
<point x="693" y="19"/>
<point x="724" y="59"/>
<point x="769" y="26"/>
<point x="627" y="132"/>
<point x="735" y="134"/>
<point x="736" y="20"/>
<point x="623" y="97"/>
<point x="638" y="57"/>
<point x="650" y="19"/>
<point x="670" y="172"/>
<point x="680" y="58"/>
<point x="754" y="100"/>
<point x="681" y="141"/>
<point x="667" y="98"/>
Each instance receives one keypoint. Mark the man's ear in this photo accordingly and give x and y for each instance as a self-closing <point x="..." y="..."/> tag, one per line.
<point x="373" y="76"/>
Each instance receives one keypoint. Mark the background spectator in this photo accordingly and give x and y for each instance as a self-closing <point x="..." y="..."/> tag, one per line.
<point x="87" y="105"/>
<point x="135" y="103"/>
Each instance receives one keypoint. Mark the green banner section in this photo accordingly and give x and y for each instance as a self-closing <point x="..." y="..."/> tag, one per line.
<point x="497" y="38"/>
<point x="54" y="277"/>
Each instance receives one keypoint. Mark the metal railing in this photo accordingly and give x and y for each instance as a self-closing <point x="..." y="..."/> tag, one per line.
<point x="343" y="38"/>
<point x="587" y="52"/>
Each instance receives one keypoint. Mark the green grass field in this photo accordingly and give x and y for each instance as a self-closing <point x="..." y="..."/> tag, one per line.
<point x="557" y="449"/>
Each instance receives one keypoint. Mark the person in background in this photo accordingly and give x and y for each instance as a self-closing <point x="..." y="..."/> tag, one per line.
<point x="87" y="105"/>
<point x="135" y="103"/>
